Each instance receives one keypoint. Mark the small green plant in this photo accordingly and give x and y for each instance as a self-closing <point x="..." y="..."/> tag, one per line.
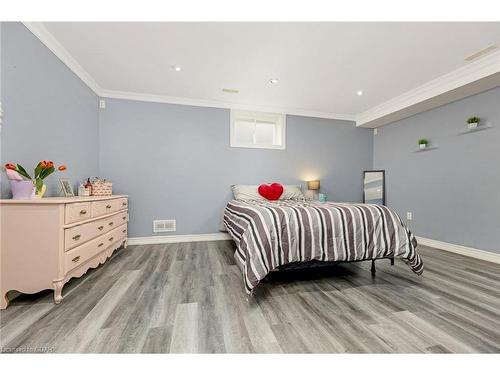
<point x="423" y="141"/>
<point x="473" y="120"/>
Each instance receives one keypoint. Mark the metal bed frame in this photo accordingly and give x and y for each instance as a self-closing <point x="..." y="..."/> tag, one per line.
<point x="319" y="264"/>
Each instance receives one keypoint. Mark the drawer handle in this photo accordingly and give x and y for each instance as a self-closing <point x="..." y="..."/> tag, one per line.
<point x="124" y="203"/>
<point x="83" y="212"/>
<point x="108" y="206"/>
<point x="100" y="228"/>
<point x="111" y="239"/>
<point x="76" y="259"/>
<point x="100" y="245"/>
<point x="123" y="231"/>
<point x="123" y="218"/>
<point x="110" y="223"/>
<point x="77" y="237"/>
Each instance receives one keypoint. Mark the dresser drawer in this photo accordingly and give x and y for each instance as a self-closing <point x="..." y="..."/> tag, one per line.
<point x="79" y="255"/>
<point x="80" y="234"/>
<point x="118" y="234"/>
<point x="75" y="212"/>
<point x="122" y="203"/>
<point x="100" y="208"/>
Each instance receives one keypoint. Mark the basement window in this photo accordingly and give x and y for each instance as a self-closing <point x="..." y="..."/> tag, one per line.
<point x="257" y="130"/>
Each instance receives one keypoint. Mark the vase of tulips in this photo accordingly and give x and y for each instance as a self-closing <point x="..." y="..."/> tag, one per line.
<point x="26" y="187"/>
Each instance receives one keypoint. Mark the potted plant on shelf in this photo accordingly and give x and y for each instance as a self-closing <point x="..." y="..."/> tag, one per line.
<point x="473" y="122"/>
<point x="422" y="143"/>
<point x="23" y="185"/>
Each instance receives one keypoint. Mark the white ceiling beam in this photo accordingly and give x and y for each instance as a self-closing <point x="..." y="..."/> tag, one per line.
<point x="442" y="90"/>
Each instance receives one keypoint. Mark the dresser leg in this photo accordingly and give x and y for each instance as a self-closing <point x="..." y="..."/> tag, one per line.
<point x="58" y="286"/>
<point x="4" y="301"/>
<point x="125" y="244"/>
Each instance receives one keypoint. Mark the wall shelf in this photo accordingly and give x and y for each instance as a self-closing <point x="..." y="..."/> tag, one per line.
<point x="428" y="148"/>
<point x="478" y="129"/>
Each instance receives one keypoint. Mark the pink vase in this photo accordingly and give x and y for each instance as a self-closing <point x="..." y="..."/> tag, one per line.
<point x="22" y="189"/>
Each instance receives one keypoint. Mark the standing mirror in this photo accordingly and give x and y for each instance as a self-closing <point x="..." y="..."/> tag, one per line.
<point x="374" y="187"/>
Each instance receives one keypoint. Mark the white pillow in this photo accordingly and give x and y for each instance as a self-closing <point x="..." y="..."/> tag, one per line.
<point x="250" y="192"/>
<point x="292" y="192"/>
<point x="246" y="192"/>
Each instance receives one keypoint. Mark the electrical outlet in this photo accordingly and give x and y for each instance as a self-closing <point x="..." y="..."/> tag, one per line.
<point x="102" y="103"/>
<point x="409" y="216"/>
<point x="375" y="131"/>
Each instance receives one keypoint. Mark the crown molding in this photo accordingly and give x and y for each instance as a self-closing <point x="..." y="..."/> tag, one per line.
<point x="475" y="71"/>
<point x="143" y="97"/>
<point x="41" y="32"/>
<point x="402" y="106"/>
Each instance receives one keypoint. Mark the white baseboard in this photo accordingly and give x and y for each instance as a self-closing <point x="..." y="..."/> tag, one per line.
<point x="459" y="249"/>
<point x="178" y="238"/>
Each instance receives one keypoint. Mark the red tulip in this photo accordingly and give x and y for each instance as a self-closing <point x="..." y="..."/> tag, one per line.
<point x="50" y="164"/>
<point x="10" y="166"/>
<point x="43" y="164"/>
<point x="62" y="168"/>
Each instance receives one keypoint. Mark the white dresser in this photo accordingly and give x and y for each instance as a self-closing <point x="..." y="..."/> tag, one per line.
<point x="45" y="242"/>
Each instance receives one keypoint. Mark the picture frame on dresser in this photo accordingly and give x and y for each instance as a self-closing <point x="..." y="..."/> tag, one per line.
<point x="46" y="242"/>
<point x="66" y="188"/>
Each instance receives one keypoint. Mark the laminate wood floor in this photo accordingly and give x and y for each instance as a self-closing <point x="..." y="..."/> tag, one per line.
<point x="189" y="297"/>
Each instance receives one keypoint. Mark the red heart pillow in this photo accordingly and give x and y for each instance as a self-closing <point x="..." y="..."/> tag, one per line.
<point x="271" y="192"/>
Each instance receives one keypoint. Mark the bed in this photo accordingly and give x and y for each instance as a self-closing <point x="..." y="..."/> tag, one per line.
<point x="272" y="234"/>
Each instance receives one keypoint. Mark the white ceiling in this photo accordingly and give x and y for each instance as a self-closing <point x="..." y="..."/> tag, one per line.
<point x="320" y="66"/>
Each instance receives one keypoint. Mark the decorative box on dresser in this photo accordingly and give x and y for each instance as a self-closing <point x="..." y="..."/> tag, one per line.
<point x="45" y="242"/>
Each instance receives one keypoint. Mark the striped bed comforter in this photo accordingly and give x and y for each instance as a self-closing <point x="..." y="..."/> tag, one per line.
<point x="271" y="234"/>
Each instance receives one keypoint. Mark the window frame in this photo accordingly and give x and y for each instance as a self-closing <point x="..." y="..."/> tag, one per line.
<point x="278" y="119"/>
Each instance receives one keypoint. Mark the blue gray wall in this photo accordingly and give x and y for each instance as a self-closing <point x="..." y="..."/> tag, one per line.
<point x="175" y="161"/>
<point x="454" y="190"/>
<point x="49" y="113"/>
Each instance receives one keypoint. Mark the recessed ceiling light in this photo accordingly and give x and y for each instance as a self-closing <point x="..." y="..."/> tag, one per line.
<point x="274" y="81"/>
<point x="177" y="68"/>
<point x="359" y="92"/>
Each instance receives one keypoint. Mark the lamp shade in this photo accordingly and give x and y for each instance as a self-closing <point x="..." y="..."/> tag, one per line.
<point x="313" y="185"/>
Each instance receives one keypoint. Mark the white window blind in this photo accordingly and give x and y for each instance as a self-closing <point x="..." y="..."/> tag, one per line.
<point x="257" y="130"/>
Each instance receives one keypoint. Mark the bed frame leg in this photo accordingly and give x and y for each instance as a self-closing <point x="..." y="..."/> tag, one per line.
<point x="250" y="297"/>
<point x="373" y="267"/>
<point x="392" y="261"/>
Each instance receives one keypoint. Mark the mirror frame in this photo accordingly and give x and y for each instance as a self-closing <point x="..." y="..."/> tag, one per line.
<point x="383" y="184"/>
